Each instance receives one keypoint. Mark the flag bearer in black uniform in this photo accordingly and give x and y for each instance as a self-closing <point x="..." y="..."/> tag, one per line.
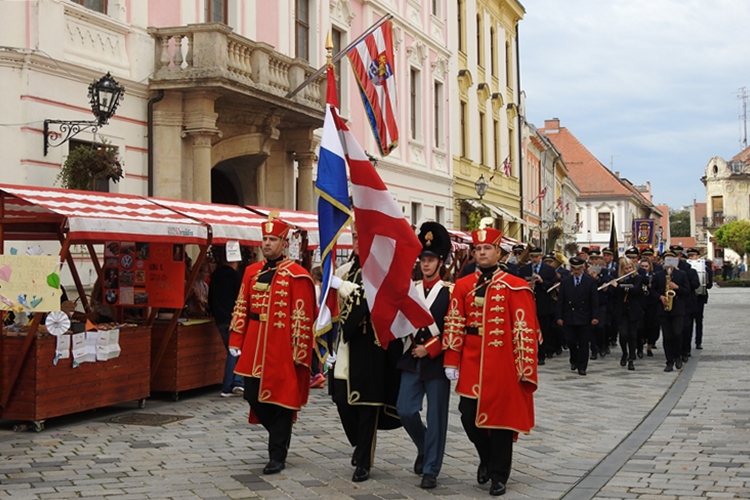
<point x="365" y="384"/>
<point x="421" y="365"/>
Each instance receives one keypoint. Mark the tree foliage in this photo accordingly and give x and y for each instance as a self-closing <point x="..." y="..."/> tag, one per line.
<point x="735" y="236"/>
<point x="679" y="223"/>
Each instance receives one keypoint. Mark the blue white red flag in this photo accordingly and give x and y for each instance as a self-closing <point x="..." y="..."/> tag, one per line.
<point x="387" y="244"/>
<point x="334" y="213"/>
<point x="373" y="64"/>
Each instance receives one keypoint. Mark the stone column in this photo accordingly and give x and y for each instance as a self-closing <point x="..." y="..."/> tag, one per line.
<point x="167" y="127"/>
<point x="202" y="164"/>
<point x="200" y="126"/>
<point x="305" y="194"/>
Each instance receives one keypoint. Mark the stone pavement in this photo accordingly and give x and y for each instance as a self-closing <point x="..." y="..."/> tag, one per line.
<point x="611" y="434"/>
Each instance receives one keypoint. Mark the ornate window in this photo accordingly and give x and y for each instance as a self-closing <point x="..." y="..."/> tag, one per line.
<point x="96" y="5"/>
<point x="216" y="11"/>
<point x="302" y="29"/>
<point x="605" y="222"/>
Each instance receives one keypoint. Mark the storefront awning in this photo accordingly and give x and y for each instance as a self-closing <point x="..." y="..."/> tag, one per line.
<point x="227" y="222"/>
<point x="497" y="211"/>
<point x="92" y="216"/>
<point x="307" y="221"/>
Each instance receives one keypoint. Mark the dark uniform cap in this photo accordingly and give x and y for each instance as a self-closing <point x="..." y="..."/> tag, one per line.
<point x="576" y="262"/>
<point x="669" y="253"/>
<point x="632" y="252"/>
<point x="435" y="240"/>
<point x="676" y="248"/>
<point x="534" y="251"/>
<point x="549" y="256"/>
<point x="647" y="251"/>
<point x="594" y="252"/>
<point x="518" y="248"/>
<point x="693" y="251"/>
<point x="584" y="250"/>
<point x="607" y="251"/>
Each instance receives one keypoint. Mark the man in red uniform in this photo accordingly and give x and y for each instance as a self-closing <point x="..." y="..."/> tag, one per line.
<point x="272" y="333"/>
<point x="490" y="338"/>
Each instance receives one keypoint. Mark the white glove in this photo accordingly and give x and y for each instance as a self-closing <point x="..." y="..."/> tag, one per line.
<point x="234" y="352"/>
<point x="330" y="360"/>
<point x="451" y="373"/>
<point x="346" y="288"/>
<point x="335" y="282"/>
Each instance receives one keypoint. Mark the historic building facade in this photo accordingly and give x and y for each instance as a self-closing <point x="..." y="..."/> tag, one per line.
<point x="605" y="198"/>
<point x="485" y="126"/>
<point x="727" y="197"/>
<point x="207" y="113"/>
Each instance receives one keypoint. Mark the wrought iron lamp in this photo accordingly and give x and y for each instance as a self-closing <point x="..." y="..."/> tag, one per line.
<point x="481" y="186"/>
<point x="105" y="95"/>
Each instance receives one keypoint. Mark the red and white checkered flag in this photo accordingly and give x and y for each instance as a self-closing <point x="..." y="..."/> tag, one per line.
<point x="388" y="249"/>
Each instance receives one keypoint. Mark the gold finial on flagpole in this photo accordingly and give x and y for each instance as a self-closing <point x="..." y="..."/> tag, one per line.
<point x="329" y="47"/>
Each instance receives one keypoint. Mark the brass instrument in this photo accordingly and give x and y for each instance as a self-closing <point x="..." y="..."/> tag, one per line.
<point x="669" y="292"/>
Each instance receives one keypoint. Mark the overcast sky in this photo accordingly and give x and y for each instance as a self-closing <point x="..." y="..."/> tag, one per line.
<point x="650" y="85"/>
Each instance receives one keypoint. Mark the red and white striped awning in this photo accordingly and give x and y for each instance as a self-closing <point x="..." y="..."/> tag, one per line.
<point x="227" y="222"/>
<point x="90" y="216"/>
<point x="307" y="221"/>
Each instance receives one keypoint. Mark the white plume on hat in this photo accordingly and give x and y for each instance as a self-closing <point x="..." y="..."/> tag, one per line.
<point x="486" y="222"/>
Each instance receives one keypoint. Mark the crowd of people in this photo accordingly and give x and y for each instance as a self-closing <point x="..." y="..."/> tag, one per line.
<point x="508" y="311"/>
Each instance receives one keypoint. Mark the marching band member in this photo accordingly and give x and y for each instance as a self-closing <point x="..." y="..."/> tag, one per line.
<point x="541" y="277"/>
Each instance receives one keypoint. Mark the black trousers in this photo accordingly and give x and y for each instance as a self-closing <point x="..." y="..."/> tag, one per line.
<point x="650" y="324"/>
<point x="276" y="419"/>
<point x="578" y="338"/>
<point x="698" y="319"/>
<point x="628" y="337"/>
<point x="548" y="347"/>
<point x="360" y="424"/>
<point x="671" y="330"/>
<point x="495" y="446"/>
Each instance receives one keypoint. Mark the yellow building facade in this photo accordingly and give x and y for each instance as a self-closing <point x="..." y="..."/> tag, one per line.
<point x="484" y="103"/>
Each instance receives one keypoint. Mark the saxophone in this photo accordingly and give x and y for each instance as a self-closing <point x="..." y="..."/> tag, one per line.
<point x="669" y="292"/>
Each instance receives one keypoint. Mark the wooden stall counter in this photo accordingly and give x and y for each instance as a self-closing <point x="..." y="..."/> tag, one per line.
<point x="194" y="356"/>
<point x="45" y="390"/>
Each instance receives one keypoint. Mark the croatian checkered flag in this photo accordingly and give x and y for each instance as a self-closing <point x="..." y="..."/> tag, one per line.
<point x="388" y="248"/>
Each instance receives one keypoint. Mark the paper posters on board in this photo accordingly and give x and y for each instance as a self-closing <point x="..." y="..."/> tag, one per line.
<point x="233" y="251"/>
<point x="62" y="349"/>
<point x="29" y="283"/>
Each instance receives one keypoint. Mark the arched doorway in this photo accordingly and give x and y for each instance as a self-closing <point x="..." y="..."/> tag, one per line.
<point x="235" y="181"/>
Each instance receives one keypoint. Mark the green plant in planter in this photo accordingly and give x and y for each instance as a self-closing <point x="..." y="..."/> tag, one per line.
<point x="87" y="164"/>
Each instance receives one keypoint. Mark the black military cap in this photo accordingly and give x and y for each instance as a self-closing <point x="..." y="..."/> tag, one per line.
<point x="435" y="240"/>
<point x="648" y="251"/>
<point x="632" y="252"/>
<point x="534" y="251"/>
<point x="576" y="262"/>
<point x="518" y="248"/>
<point x="549" y="256"/>
<point x="693" y="251"/>
<point x="594" y="252"/>
<point x="607" y="251"/>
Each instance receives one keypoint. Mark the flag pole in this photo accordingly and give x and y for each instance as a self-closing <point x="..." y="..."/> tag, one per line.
<point x="338" y="56"/>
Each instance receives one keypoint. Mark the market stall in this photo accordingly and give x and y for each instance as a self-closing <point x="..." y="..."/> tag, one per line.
<point x="188" y="353"/>
<point x="44" y="376"/>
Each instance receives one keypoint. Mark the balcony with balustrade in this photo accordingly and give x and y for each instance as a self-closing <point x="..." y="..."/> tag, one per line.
<point x="210" y="56"/>
<point x="718" y="220"/>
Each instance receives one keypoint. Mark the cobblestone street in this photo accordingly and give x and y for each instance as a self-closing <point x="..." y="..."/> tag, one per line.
<point x="612" y="434"/>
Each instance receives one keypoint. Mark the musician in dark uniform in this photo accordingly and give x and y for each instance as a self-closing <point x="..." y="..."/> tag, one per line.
<point x="691" y="302"/>
<point x="556" y="342"/>
<point x="577" y="305"/>
<point x="365" y="379"/>
<point x="702" y="293"/>
<point x="671" y="317"/>
<point x="421" y="365"/>
<point x="541" y="277"/>
<point x="626" y="296"/>
<point x="599" y="340"/>
<point x="610" y="325"/>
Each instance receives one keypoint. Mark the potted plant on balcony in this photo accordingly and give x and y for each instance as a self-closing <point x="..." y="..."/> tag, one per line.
<point x="85" y="165"/>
